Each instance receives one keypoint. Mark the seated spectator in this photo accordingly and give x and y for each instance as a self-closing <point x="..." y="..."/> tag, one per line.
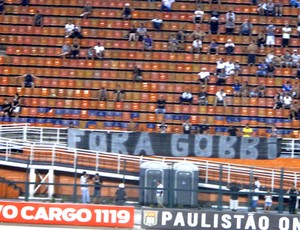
<point x="141" y="32"/>
<point x="187" y="127"/>
<point x="274" y="131"/>
<point x="24" y="2"/>
<point x="87" y="10"/>
<point x="220" y="98"/>
<point x="286" y="35"/>
<point x="278" y="101"/>
<point x="119" y="93"/>
<point x="296" y="90"/>
<point x="287" y="87"/>
<point x="6" y="109"/>
<point x="90" y="53"/>
<point x="103" y="96"/>
<point x="229" y="47"/>
<point x="261" y="90"/>
<point x="65" y="50"/>
<point x="232" y="131"/>
<point x="203" y="96"/>
<point x="157" y="23"/>
<point x="253" y="91"/>
<point x="287" y="101"/>
<point x="173" y="43"/>
<point x="2" y="11"/>
<point x="203" y="128"/>
<point x="99" y="51"/>
<point x="75" y="47"/>
<point x="16" y="105"/>
<point x="215" y="2"/>
<point x="181" y="36"/>
<point x="186" y="97"/>
<point x="252" y="51"/>
<point x="220" y="65"/>
<point x="137" y="74"/>
<point x="198" y="15"/>
<point x="270" y="69"/>
<point x="132" y="34"/>
<point x="69" y="28"/>
<point x="298" y="73"/>
<point x="295" y="59"/>
<point x="236" y="88"/>
<point x="147" y="43"/>
<point x="196" y="46"/>
<point x="261" y="69"/>
<point x="28" y="80"/>
<point x="261" y="38"/>
<point x="126" y="13"/>
<point x="222" y="77"/>
<point x="245" y="89"/>
<point x="247" y="131"/>
<point x="197" y="33"/>
<point x="246" y="28"/>
<point x="161" y="105"/>
<point x="270" y="6"/>
<point x="294" y="111"/>
<point x="230" y="26"/>
<point x="286" y="59"/>
<point x="262" y="7"/>
<point x="213" y="47"/>
<point x="132" y="126"/>
<point x="204" y="76"/>
<point x="76" y="32"/>
<point x="237" y="68"/>
<point x="298" y="30"/>
<point x="214" y="25"/>
<point x="270" y="57"/>
<point x="166" y="5"/>
<point x="162" y="127"/>
<point x="229" y="68"/>
<point x="38" y="19"/>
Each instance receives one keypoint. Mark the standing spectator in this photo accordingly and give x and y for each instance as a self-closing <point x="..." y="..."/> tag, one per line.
<point x="220" y="98"/>
<point x="166" y="5"/>
<point x="257" y="182"/>
<point x="270" y="8"/>
<point x="270" y="32"/>
<point x="293" y="192"/>
<point x="173" y="43"/>
<point x="84" y="188"/>
<point x="236" y="88"/>
<point x="119" y="93"/>
<point x="69" y="28"/>
<point x="161" y="105"/>
<point x="286" y="59"/>
<point x="121" y="195"/>
<point x="196" y="46"/>
<point x="268" y="201"/>
<point x="232" y="131"/>
<point x="295" y="59"/>
<point x="65" y="50"/>
<point x="198" y="15"/>
<point x="187" y="127"/>
<point x="234" y="188"/>
<point x="203" y="128"/>
<point x="230" y="16"/>
<point x="252" y="50"/>
<point x="247" y="131"/>
<point x="87" y="10"/>
<point x="16" y="105"/>
<point x="75" y="47"/>
<point x="99" y="51"/>
<point x="38" y="19"/>
<point x="286" y="35"/>
<point x="6" y="108"/>
<point x="157" y="23"/>
<point x="215" y="13"/>
<point x="214" y="25"/>
<point x="203" y="96"/>
<point x="213" y="47"/>
<point x="254" y="199"/>
<point x="126" y="13"/>
<point x="97" y="188"/>
<point x="103" y="94"/>
<point x="246" y="28"/>
<point x="230" y="26"/>
<point x="186" y="97"/>
<point x="137" y="74"/>
<point x="160" y="194"/>
<point x="147" y="43"/>
<point x="162" y="127"/>
<point x="204" y="76"/>
<point x="28" y="79"/>
<point x="141" y="32"/>
<point x="278" y="8"/>
<point x="229" y="47"/>
<point x="261" y="38"/>
<point x="132" y="35"/>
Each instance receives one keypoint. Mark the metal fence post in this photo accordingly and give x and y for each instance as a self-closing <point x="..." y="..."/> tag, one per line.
<point x="281" y="192"/>
<point x="75" y="182"/>
<point x="26" y="182"/>
<point x="220" y="192"/>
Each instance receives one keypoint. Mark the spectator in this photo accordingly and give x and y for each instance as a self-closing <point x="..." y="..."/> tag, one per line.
<point x="229" y="47"/>
<point x="162" y="127"/>
<point x="103" y="96"/>
<point x="270" y="69"/>
<point x="262" y="7"/>
<point x="126" y="13"/>
<point x="173" y="43"/>
<point x="286" y="35"/>
<point x="278" y="8"/>
<point x="147" y="43"/>
<point x="6" y="108"/>
<point x="261" y="39"/>
<point x="119" y="93"/>
<point x="214" y="25"/>
<point x="215" y="2"/>
<point x="75" y="47"/>
<point x="286" y="59"/>
<point x="160" y="194"/>
<point x="293" y="192"/>
<point x="132" y="126"/>
<point x="295" y="58"/>
<point x="229" y="68"/>
<point x="261" y="69"/>
<point x="246" y="28"/>
<point x="25" y="2"/>
<point x="254" y="2"/>
<point x="132" y="35"/>
<point x="166" y="5"/>
<point x="186" y="97"/>
<point x="230" y="16"/>
<point x="270" y="31"/>
<point x="198" y="15"/>
<point x="204" y="76"/>
<point x="236" y="88"/>
<point x="203" y="128"/>
<point x="298" y="73"/>
<point x="181" y="36"/>
<point x="28" y="80"/>
<point x="254" y="199"/>
<point x="197" y="33"/>
<point x="287" y="87"/>
<point x="65" y="50"/>
<point x="278" y="101"/>
<point x="38" y="19"/>
<point x="295" y="90"/>
<point x="90" y="54"/>
<point x="87" y="10"/>
<point x="274" y="131"/>
<point x="253" y="91"/>
<point x="213" y="47"/>
<point x="161" y="105"/>
<point x="287" y="101"/>
<point x="270" y="57"/>
<point x="222" y="77"/>
<point x="76" y="32"/>
<point x="270" y="6"/>
<point x="232" y="131"/>
<point x="137" y="74"/>
<point x="97" y="188"/>
<point x="220" y="65"/>
<point x="84" y="188"/>
<point x="230" y="26"/>
<point x="215" y="13"/>
<point x="203" y="96"/>
<point x="99" y="51"/>
<point x="237" y="68"/>
<point x="245" y="89"/>
<point x="121" y="195"/>
<point x="2" y="11"/>
<point x="69" y="28"/>
<point x="234" y="188"/>
<point x="157" y="23"/>
<point x="294" y="110"/>
<point x="187" y="127"/>
<point x="196" y="46"/>
<point x="220" y="98"/>
<point x="141" y="32"/>
<point x="261" y="90"/>
<point x="252" y="51"/>
<point x="247" y="131"/>
<point x="16" y="105"/>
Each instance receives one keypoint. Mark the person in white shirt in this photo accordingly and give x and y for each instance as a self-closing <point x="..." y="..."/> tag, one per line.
<point x="286" y="34"/>
<point x="198" y="15"/>
<point x="186" y="97"/>
<point x="254" y="200"/>
<point x="69" y="27"/>
<point x="287" y="101"/>
<point x="196" y="46"/>
<point x="157" y="23"/>
<point x="84" y="188"/>
<point x="229" y="68"/>
<point x="204" y="76"/>
<point x="99" y="50"/>
<point x="256" y="182"/>
<point x="295" y="58"/>
<point x="160" y="194"/>
<point x="166" y="5"/>
<point x="229" y="47"/>
<point x="220" y="65"/>
<point x="230" y="15"/>
<point x="268" y="201"/>
<point x="220" y="98"/>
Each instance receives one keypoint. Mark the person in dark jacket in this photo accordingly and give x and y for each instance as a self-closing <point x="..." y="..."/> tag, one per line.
<point x="121" y="195"/>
